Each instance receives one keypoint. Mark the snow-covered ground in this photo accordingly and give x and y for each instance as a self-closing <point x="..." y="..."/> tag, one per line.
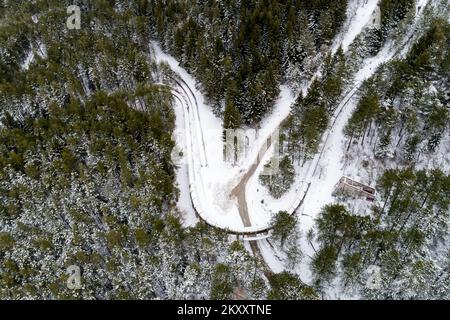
<point x="360" y="14"/>
<point x="261" y="206"/>
<point x="184" y="200"/>
<point x="41" y="51"/>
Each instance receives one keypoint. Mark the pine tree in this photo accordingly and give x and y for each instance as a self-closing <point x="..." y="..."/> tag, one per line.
<point x="231" y="116"/>
<point x="287" y="286"/>
<point x="283" y="225"/>
<point x="221" y="283"/>
<point x="368" y="108"/>
<point x="280" y="181"/>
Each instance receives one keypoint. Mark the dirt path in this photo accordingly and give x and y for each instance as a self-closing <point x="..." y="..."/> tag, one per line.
<point x="239" y="191"/>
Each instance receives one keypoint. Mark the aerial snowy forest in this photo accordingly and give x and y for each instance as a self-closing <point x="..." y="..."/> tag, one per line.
<point x="112" y="154"/>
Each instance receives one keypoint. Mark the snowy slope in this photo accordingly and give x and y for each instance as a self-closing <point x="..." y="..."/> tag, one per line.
<point x="360" y="13"/>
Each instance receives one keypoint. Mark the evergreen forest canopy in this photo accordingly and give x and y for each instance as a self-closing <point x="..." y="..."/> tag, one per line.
<point x="242" y="50"/>
<point x="86" y="176"/>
